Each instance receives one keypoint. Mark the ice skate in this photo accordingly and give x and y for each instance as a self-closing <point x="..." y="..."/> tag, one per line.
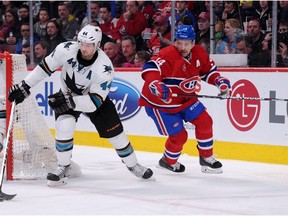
<point x="210" y="165"/>
<point x="177" y="167"/>
<point x="141" y="172"/>
<point x="59" y="177"/>
<point x="74" y="170"/>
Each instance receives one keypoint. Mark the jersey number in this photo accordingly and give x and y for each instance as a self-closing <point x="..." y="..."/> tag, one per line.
<point x="104" y="85"/>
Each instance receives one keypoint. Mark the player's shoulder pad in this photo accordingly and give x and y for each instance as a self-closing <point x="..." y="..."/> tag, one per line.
<point x="102" y="55"/>
<point x="199" y="51"/>
<point x="149" y="65"/>
<point x="166" y="51"/>
<point x="68" y="46"/>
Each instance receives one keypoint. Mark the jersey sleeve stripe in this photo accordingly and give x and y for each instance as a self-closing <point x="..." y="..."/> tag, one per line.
<point x="45" y="67"/>
<point x="210" y="74"/>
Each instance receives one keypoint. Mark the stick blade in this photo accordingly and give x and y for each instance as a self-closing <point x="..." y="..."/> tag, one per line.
<point x="7" y="197"/>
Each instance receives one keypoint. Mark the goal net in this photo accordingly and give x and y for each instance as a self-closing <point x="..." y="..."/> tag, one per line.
<point x="31" y="150"/>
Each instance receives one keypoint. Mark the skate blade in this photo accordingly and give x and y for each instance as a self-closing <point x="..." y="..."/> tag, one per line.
<point x="206" y="169"/>
<point x="152" y="178"/>
<point x="61" y="182"/>
<point x="163" y="168"/>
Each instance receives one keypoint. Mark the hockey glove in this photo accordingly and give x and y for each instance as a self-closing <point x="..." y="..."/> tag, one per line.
<point x="61" y="103"/>
<point x="224" y="86"/>
<point x="19" y="92"/>
<point x="161" y="90"/>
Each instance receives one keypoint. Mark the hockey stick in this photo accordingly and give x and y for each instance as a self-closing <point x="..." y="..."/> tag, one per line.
<point x="227" y="98"/>
<point x="4" y="196"/>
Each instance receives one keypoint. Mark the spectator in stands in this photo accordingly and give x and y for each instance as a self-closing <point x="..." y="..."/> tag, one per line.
<point x="54" y="34"/>
<point x="204" y="28"/>
<point x="12" y="33"/>
<point x="218" y="9"/>
<point x="148" y="10"/>
<point x="141" y="57"/>
<point x="68" y="24"/>
<point x="41" y="50"/>
<point x="264" y="14"/>
<point x="108" y="22"/>
<point x="181" y="11"/>
<point x="40" y="26"/>
<point x="25" y="50"/>
<point x="128" y="46"/>
<point x="283" y="11"/>
<point x="254" y="31"/>
<point x="25" y="37"/>
<point x="284" y="54"/>
<point x="243" y="45"/>
<point x="78" y="9"/>
<point x="6" y="5"/>
<point x="162" y="38"/>
<point x="95" y="14"/>
<point x="228" y="44"/>
<point x="249" y="8"/>
<point x="205" y="44"/>
<point x="283" y="27"/>
<point x="132" y="22"/>
<point x="232" y="10"/>
<point x="263" y="58"/>
<point x="282" y="41"/>
<point x="11" y="18"/>
<point x="115" y="55"/>
<point x="23" y="12"/>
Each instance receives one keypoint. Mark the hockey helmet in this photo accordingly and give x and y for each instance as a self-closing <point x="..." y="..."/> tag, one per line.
<point x="185" y="32"/>
<point x="90" y="34"/>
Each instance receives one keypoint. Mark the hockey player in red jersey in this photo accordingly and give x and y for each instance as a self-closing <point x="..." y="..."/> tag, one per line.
<point x="179" y="69"/>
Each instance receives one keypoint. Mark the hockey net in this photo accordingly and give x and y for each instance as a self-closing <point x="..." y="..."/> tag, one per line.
<point x="31" y="150"/>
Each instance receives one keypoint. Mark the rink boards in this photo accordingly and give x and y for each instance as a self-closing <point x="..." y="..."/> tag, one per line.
<point x="250" y="130"/>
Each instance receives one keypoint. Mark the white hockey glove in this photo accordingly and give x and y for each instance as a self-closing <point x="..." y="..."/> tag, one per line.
<point x="61" y="103"/>
<point x="18" y="93"/>
<point x="224" y="86"/>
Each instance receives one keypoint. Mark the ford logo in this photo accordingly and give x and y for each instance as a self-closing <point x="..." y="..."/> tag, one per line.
<point x="125" y="96"/>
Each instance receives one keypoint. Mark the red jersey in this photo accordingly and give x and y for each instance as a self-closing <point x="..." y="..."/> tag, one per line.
<point x="107" y="27"/>
<point x="178" y="74"/>
<point x="154" y="44"/>
<point x="134" y="26"/>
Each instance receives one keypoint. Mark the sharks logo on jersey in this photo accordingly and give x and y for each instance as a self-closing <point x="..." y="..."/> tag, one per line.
<point x="108" y="69"/>
<point x="74" y="87"/>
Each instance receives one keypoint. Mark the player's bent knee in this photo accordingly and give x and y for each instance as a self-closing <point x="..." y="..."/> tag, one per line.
<point x="179" y="138"/>
<point x="119" y="141"/>
<point x="65" y="126"/>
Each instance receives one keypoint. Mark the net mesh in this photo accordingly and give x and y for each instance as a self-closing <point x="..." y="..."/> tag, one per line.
<point x="34" y="153"/>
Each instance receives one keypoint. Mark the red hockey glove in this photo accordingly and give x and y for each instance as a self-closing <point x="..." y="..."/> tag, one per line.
<point x="224" y="86"/>
<point x="161" y="90"/>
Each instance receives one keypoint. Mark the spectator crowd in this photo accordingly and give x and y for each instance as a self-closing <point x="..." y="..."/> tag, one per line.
<point x="133" y="31"/>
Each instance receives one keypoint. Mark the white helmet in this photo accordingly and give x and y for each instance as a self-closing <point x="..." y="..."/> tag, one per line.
<point x="90" y="34"/>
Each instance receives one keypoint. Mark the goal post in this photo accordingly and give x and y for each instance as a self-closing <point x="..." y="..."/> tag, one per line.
<point x="32" y="151"/>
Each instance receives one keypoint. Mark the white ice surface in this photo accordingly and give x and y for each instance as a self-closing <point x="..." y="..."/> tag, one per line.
<point x="106" y="187"/>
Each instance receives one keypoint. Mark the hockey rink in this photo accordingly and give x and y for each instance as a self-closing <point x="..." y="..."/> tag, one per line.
<point x="107" y="188"/>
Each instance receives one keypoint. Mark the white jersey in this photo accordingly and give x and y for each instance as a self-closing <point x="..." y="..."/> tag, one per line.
<point x="88" y="84"/>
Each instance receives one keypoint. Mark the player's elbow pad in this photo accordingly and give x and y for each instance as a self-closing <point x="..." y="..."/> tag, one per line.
<point x="84" y="104"/>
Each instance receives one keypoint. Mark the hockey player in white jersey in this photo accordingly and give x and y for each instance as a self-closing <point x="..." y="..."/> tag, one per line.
<point x="86" y="77"/>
